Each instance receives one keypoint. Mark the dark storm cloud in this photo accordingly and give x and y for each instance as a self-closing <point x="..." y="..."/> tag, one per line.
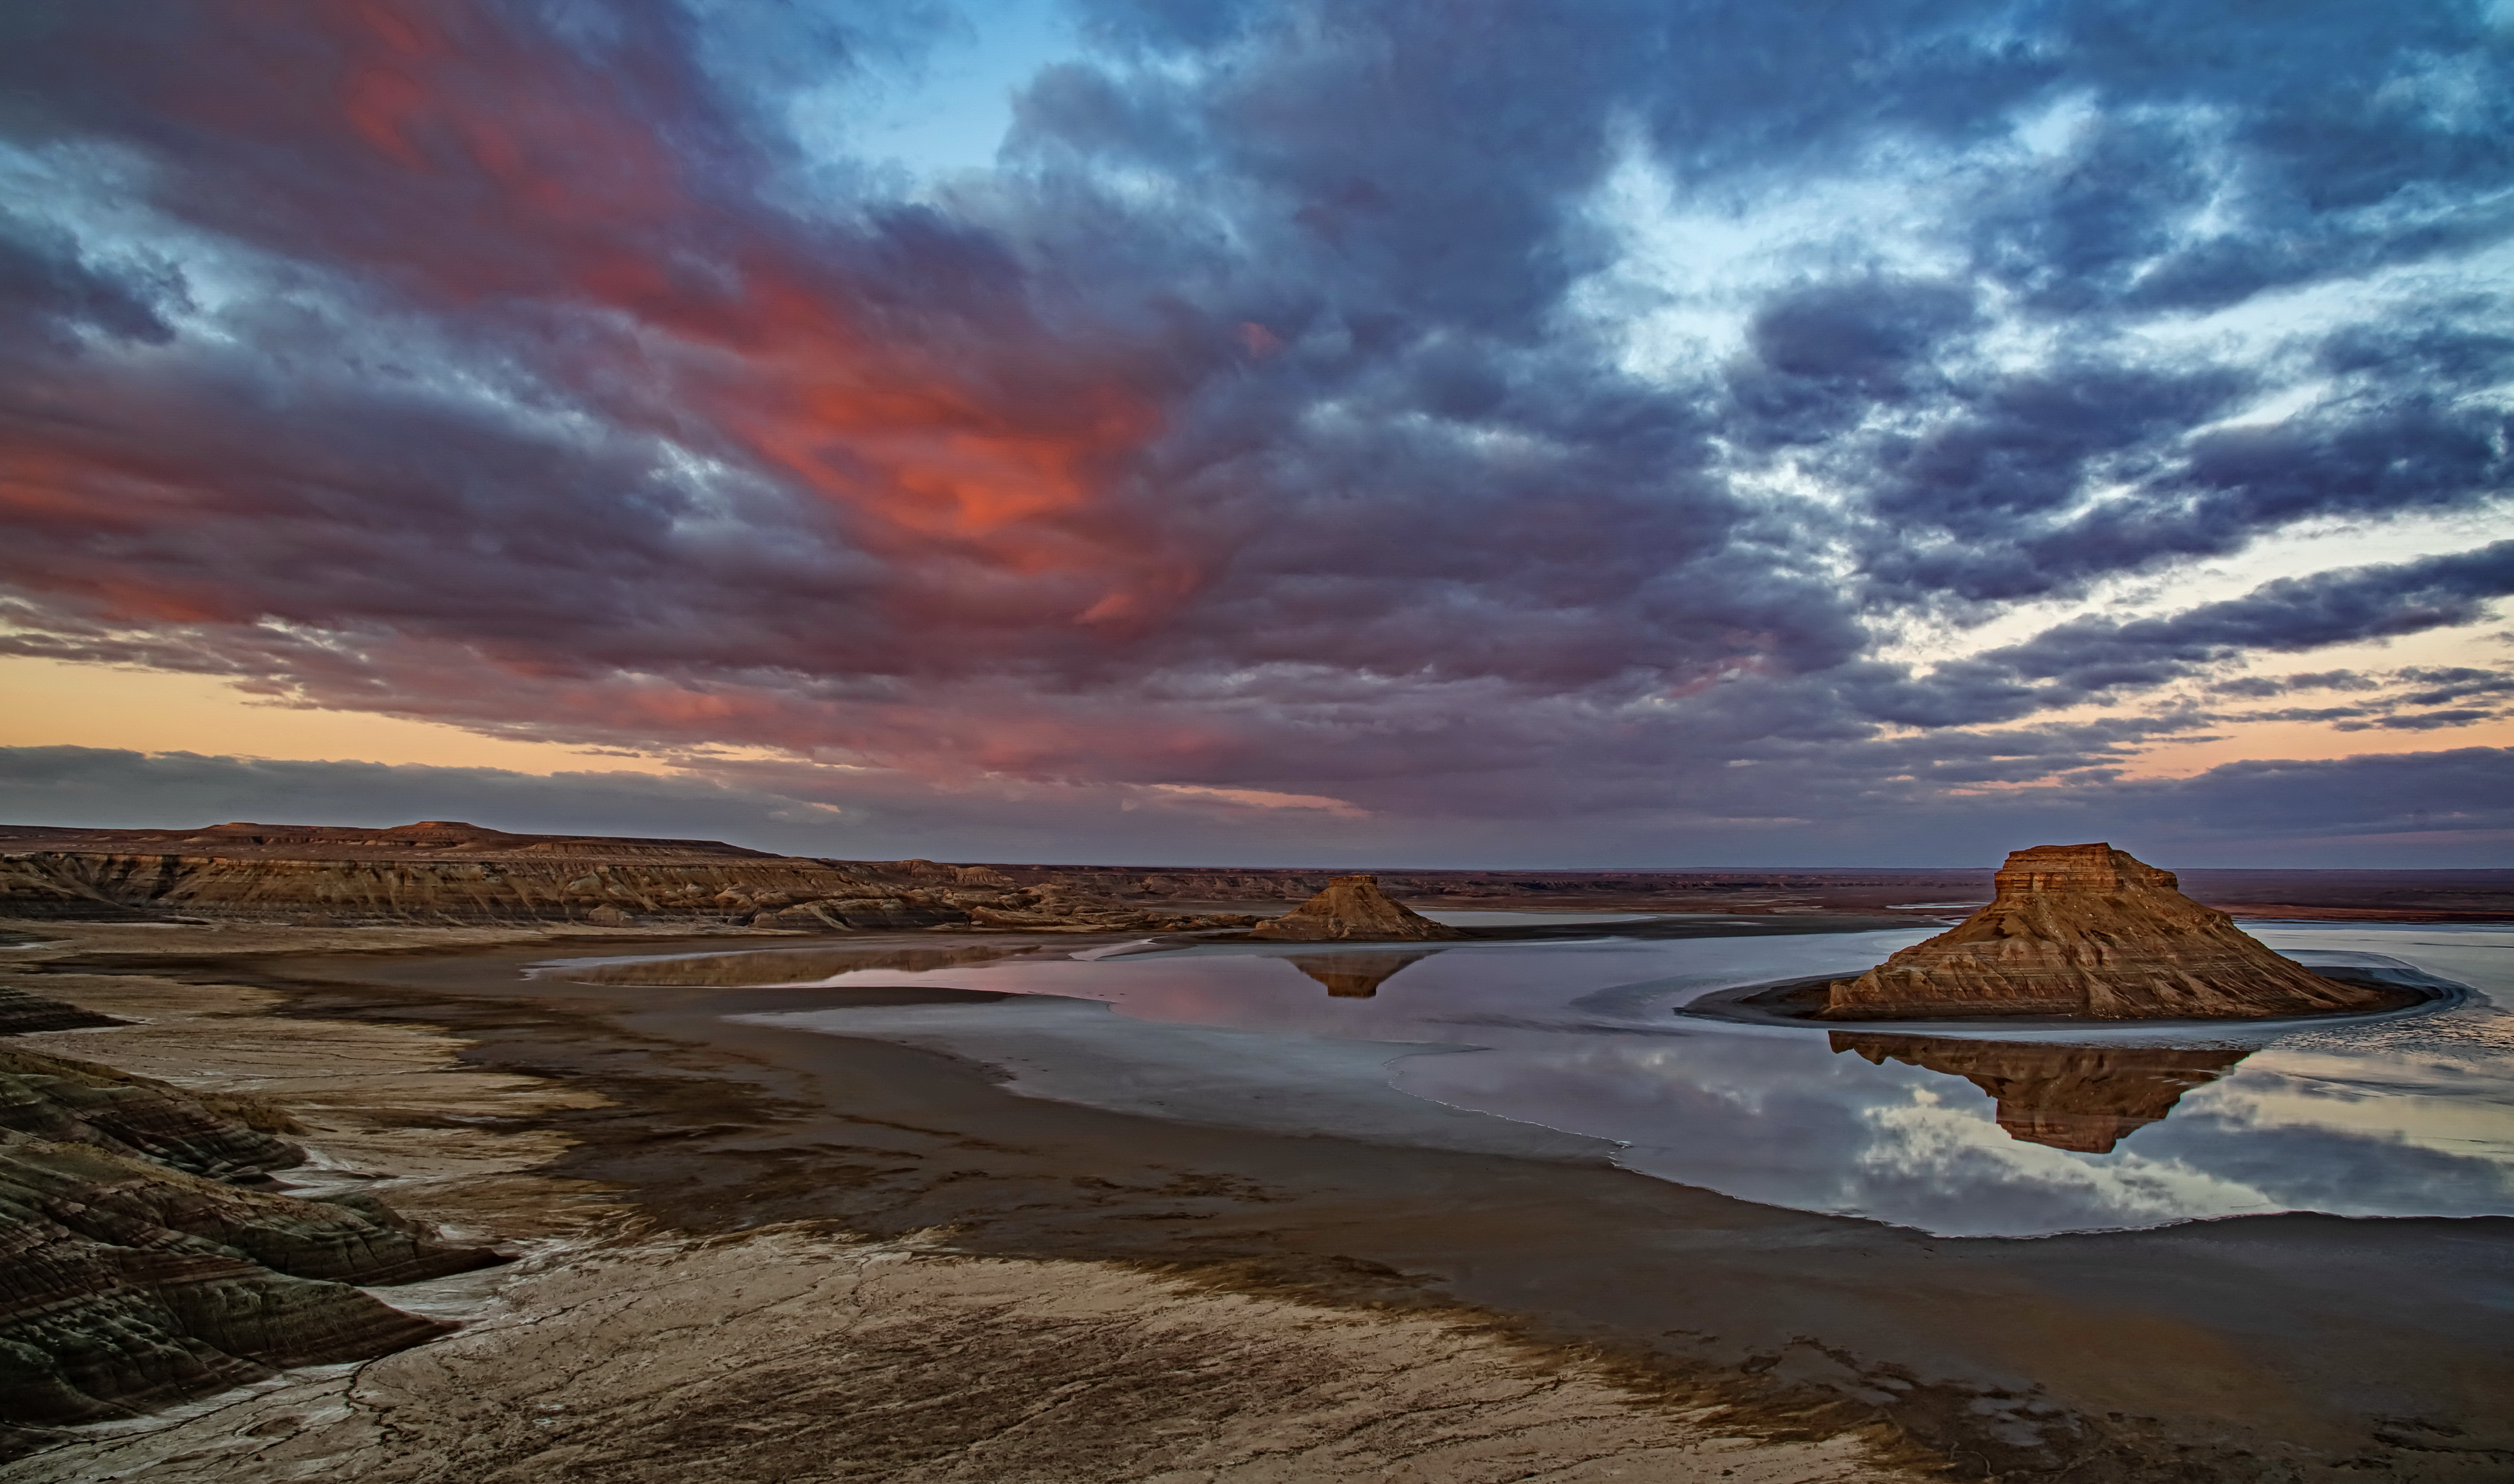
<point x="522" y="366"/>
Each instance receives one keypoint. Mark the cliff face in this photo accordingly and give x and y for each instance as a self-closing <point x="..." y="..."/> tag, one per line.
<point x="2086" y="930"/>
<point x="130" y="1279"/>
<point x="1351" y="909"/>
<point x="2082" y="1098"/>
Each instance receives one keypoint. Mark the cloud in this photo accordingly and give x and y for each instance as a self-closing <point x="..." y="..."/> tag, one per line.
<point x="2425" y="721"/>
<point x="2091" y="658"/>
<point x="2434" y="808"/>
<point x="1452" y="416"/>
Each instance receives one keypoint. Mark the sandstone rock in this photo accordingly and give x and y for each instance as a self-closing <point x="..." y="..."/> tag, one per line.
<point x="2082" y="1098"/>
<point x="868" y="914"/>
<point x="1351" y="909"/>
<point x="2086" y="930"/>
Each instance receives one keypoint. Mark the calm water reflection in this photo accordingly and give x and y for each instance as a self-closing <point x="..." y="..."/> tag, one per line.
<point x="2014" y="1132"/>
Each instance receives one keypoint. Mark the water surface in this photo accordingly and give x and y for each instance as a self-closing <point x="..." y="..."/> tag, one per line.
<point x="1973" y="1131"/>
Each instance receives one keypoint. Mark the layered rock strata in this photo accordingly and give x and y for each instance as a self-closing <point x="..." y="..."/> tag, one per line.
<point x="1351" y="909"/>
<point x="2082" y="1098"/>
<point x="2086" y="930"/>
<point x="126" y="1286"/>
<point x="131" y="1280"/>
<point x="56" y="1099"/>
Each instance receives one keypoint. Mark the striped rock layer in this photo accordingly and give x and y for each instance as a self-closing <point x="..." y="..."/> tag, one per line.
<point x="2088" y="931"/>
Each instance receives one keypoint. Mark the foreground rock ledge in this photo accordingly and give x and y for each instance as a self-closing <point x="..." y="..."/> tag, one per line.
<point x="1353" y="909"/>
<point x="2086" y="930"/>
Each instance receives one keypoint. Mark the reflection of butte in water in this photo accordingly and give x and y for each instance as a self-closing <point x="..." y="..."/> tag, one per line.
<point x="1355" y="976"/>
<point x="2083" y="1098"/>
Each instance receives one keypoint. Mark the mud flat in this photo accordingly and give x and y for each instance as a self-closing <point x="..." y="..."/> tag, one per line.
<point x="2289" y="1347"/>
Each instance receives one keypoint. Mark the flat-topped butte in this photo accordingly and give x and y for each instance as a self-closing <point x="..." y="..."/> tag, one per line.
<point x="2088" y="932"/>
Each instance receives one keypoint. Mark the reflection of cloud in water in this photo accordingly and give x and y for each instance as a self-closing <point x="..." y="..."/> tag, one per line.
<point x="2343" y="1172"/>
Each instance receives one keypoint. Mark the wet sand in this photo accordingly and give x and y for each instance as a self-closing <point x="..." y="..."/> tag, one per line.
<point x="2274" y="1347"/>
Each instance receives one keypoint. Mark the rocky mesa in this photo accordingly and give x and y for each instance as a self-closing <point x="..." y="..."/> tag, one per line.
<point x="2088" y="931"/>
<point x="1352" y="909"/>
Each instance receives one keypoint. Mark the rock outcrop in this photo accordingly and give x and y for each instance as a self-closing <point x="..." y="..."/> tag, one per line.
<point x="2086" y="930"/>
<point x="126" y="1286"/>
<point x="130" y="1279"/>
<point x="2082" y="1098"/>
<point x="67" y="1101"/>
<point x="1351" y="909"/>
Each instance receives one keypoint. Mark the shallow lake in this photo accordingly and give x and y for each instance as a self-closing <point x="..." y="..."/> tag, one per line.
<point x="1973" y="1131"/>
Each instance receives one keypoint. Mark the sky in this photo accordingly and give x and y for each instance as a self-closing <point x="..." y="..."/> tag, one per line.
<point x="1563" y="433"/>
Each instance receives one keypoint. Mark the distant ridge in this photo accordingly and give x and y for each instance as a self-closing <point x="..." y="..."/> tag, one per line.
<point x="424" y="837"/>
